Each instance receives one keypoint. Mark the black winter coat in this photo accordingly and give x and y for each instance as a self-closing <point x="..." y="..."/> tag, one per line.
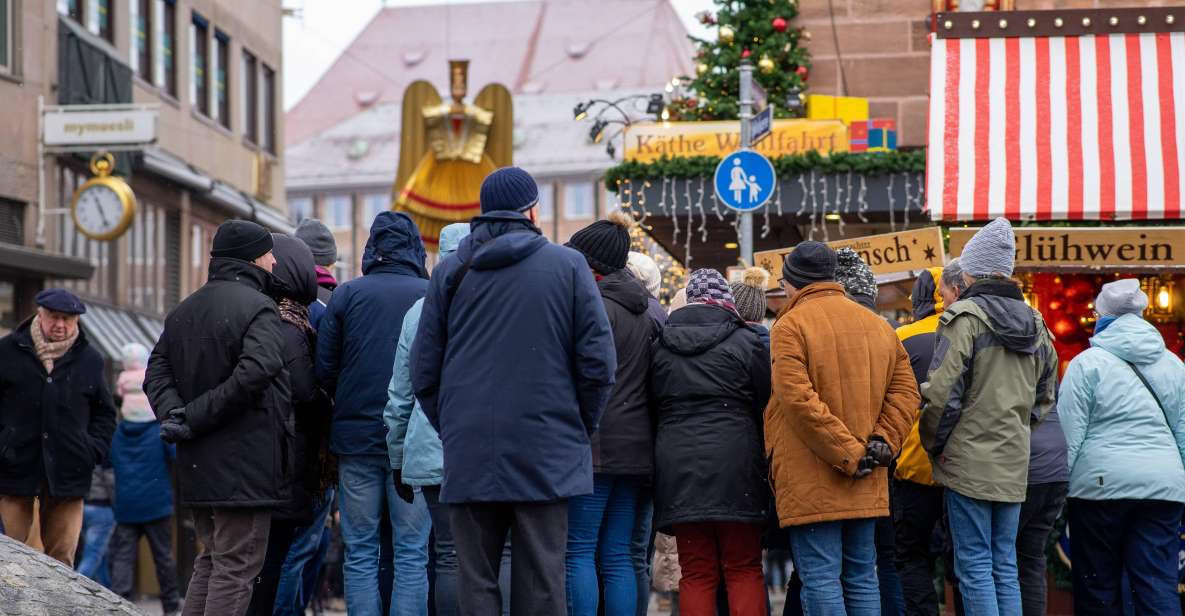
<point x="710" y="379"/>
<point x="56" y="427"/>
<point x="624" y="442"/>
<point x="221" y="358"/>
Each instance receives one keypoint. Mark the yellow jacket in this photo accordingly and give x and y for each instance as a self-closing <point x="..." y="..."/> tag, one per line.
<point x="919" y="338"/>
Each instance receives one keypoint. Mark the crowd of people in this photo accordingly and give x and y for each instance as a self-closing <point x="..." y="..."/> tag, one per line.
<point x="541" y="436"/>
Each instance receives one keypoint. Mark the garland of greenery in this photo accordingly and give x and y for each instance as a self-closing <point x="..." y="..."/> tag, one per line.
<point x="863" y="163"/>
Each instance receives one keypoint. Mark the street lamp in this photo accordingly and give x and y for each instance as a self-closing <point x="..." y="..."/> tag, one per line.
<point x="655" y="106"/>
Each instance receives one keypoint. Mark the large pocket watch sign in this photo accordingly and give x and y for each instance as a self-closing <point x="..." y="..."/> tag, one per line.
<point x="104" y="207"/>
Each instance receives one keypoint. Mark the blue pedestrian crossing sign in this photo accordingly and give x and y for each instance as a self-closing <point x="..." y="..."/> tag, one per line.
<point x="744" y="180"/>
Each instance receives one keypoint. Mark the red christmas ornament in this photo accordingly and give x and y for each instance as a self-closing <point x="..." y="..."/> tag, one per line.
<point x="779" y="24"/>
<point x="745" y="53"/>
<point x="802" y="72"/>
<point x="691" y="102"/>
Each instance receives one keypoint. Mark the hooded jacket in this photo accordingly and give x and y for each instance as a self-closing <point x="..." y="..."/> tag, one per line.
<point x="710" y="382"/>
<point x="54" y="428"/>
<point x="840" y="376"/>
<point x="918" y="339"/>
<point x="220" y="359"/>
<point x="357" y="336"/>
<point x="143" y="489"/>
<point x="624" y="443"/>
<point x="515" y="369"/>
<point x="412" y="443"/>
<point x="1120" y="444"/>
<point x="311" y="407"/>
<point x="994" y="375"/>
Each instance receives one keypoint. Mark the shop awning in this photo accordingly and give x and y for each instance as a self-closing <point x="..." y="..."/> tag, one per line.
<point x="31" y="262"/>
<point x="109" y="329"/>
<point x="1058" y="115"/>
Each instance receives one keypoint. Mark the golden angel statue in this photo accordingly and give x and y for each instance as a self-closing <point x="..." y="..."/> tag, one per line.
<point x="447" y="149"/>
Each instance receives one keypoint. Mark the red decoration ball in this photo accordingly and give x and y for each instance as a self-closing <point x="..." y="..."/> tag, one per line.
<point x="802" y="72"/>
<point x="691" y="102"/>
<point x="746" y="53"/>
<point x="779" y="24"/>
<point x="1063" y="327"/>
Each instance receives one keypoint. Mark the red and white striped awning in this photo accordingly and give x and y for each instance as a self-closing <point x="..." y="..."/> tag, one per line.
<point x="1087" y="125"/>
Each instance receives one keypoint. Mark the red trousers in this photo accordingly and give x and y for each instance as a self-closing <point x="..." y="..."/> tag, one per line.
<point x="707" y="549"/>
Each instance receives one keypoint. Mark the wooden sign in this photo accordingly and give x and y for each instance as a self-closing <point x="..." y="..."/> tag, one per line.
<point x="648" y="142"/>
<point x="904" y="251"/>
<point x="1045" y="247"/>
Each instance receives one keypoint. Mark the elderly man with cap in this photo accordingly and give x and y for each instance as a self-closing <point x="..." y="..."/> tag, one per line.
<point x="216" y="379"/>
<point x="529" y="370"/>
<point x="993" y="376"/>
<point x="843" y="401"/>
<point x="56" y="422"/>
<point x="1122" y="409"/>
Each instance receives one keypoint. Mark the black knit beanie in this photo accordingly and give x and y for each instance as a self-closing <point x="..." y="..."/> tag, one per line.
<point x="810" y="262"/>
<point x="241" y="239"/>
<point x="605" y="244"/>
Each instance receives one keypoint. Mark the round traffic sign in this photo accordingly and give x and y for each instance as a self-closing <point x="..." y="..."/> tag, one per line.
<point x="744" y="180"/>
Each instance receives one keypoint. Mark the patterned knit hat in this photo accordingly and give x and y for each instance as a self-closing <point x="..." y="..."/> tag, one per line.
<point x="707" y="286"/>
<point x="854" y="274"/>
<point x="750" y="294"/>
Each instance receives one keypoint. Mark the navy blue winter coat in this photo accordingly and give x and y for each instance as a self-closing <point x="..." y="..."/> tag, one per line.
<point x="516" y="373"/>
<point x="359" y="331"/>
<point x="143" y="492"/>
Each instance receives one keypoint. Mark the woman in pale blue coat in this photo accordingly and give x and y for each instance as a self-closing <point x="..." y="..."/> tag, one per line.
<point x="1125" y="444"/>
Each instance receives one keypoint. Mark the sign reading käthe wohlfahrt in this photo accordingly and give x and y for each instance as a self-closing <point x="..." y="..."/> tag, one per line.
<point x="1045" y="247"/>
<point x="887" y="253"/>
<point x="647" y="142"/>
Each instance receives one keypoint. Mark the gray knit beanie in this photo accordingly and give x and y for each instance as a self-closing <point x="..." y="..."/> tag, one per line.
<point x="991" y="251"/>
<point x="750" y="294"/>
<point x="320" y="241"/>
<point x="1121" y="297"/>
<point x="854" y="274"/>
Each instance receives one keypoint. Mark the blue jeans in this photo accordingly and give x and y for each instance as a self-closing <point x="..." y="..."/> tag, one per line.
<point x="298" y="574"/>
<point x="984" y="537"/>
<point x="837" y="564"/>
<point x="364" y="481"/>
<point x="601" y="532"/>
<point x="642" y="546"/>
<point x="98" y="522"/>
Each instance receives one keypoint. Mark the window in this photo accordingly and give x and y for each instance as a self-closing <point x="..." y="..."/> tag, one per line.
<point x="199" y="85"/>
<point x="7" y="32"/>
<point x="142" y="35"/>
<point x="338" y="209"/>
<point x="71" y="9"/>
<point x="580" y="201"/>
<point x="99" y="19"/>
<point x="343" y="270"/>
<point x="221" y="78"/>
<point x="166" y="52"/>
<point x="300" y="208"/>
<point x="375" y="204"/>
<point x="147" y="258"/>
<point x="250" y="98"/>
<point x="546" y="201"/>
<point x="269" y="109"/>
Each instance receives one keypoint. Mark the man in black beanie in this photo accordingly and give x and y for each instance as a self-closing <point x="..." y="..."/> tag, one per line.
<point x="216" y="380"/>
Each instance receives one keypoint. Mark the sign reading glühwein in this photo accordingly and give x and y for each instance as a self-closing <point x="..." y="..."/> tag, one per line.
<point x="1045" y="247"/>
<point x="904" y="251"/>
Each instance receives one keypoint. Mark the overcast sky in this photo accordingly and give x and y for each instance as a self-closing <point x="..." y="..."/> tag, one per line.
<point x="319" y="32"/>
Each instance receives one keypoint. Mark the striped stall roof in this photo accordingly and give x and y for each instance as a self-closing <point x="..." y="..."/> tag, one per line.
<point x="1085" y="126"/>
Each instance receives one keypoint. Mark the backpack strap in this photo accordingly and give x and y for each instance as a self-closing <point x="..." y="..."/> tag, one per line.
<point x="1148" y="386"/>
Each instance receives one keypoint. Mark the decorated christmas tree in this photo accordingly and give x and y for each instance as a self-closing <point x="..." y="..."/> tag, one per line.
<point x="757" y="30"/>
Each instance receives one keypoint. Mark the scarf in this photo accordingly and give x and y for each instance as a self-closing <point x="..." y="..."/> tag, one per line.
<point x="48" y="351"/>
<point x="1102" y="324"/>
<point x="297" y="315"/>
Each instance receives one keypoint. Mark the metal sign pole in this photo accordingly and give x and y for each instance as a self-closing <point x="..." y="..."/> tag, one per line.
<point x="746" y="114"/>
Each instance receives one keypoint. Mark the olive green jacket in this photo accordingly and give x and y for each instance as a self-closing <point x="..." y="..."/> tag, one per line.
<point x="994" y="376"/>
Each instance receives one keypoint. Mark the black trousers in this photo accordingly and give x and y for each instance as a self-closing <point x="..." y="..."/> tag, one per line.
<point x="125" y="543"/>
<point x="1113" y="537"/>
<point x="279" y="540"/>
<point x="917" y="511"/>
<point x="539" y="536"/>
<point x="1043" y="503"/>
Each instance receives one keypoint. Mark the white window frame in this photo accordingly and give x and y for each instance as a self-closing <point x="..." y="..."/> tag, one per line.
<point x="377" y="197"/>
<point x="331" y="219"/>
<point x="592" y="194"/>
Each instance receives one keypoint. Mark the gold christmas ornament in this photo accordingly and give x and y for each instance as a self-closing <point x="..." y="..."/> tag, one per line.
<point x="701" y="68"/>
<point x="806" y="35"/>
<point x="727" y="35"/>
<point x="765" y="65"/>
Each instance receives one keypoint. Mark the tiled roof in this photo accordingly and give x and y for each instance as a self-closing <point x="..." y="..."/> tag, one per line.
<point x="531" y="46"/>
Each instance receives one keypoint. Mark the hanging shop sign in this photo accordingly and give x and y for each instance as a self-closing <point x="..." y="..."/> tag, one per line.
<point x="903" y="251"/>
<point x="108" y="125"/>
<point x="1045" y="247"/>
<point x="649" y="142"/>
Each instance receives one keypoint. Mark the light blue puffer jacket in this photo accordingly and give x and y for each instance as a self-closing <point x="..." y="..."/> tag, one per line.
<point x="1118" y="442"/>
<point x="412" y="444"/>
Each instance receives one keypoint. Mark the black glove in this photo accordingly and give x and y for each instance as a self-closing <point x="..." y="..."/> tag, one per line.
<point x="879" y="451"/>
<point x="405" y="492"/>
<point x="173" y="427"/>
<point x="865" y="467"/>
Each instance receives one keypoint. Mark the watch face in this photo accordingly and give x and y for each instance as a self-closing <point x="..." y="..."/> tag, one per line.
<point x="99" y="210"/>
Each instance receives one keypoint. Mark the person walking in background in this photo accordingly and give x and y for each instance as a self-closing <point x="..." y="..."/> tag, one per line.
<point x="216" y="379"/>
<point x="143" y="488"/>
<point x="56" y="420"/>
<point x="529" y="370"/>
<point x="98" y="522"/>
<point x="356" y="345"/>
<point x="320" y="241"/>
<point x="916" y="499"/>
<point x="993" y="375"/>
<point x="601" y="525"/>
<point x="843" y="400"/>
<point x="1122" y="408"/>
<point x="710" y="381"/>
